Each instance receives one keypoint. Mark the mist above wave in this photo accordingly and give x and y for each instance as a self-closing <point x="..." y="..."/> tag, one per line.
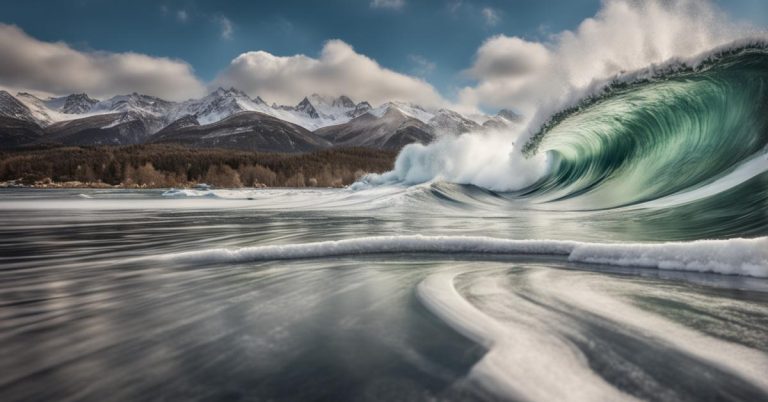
<point x="625" y="41"/>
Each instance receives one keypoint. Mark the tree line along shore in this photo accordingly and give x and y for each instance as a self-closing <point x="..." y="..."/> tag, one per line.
<point x="162" y="166"/>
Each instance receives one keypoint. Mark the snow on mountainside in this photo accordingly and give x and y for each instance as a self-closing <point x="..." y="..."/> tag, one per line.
<point x="408" y="109"/>
<point x="316" y="111"/>
<point x="14" y="109"/>
<point x="134" y="118"/>
<point x="312" y="112"/>
<point x="217" y="105"/>
<point x="38" y="112"/>
<point x="78" y="104"/>
<point x="135" y="103"/>
<point x="246" y="130"/>
<point x="442" y="121"/>
<point x="502" y="120"/>
<point x="449" y="122"/>
<point x="392" y="130"/>
<point x="102" y="129"/>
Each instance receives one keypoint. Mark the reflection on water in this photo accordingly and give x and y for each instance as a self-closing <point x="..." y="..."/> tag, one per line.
<point x="81" y="319"/>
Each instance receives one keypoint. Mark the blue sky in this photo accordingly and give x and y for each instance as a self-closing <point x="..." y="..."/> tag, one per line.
<point x="436" y="38"/>
<point x="432" y="39"/>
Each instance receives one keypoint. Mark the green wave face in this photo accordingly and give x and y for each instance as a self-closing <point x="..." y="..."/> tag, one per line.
<point x="642" y="141"/>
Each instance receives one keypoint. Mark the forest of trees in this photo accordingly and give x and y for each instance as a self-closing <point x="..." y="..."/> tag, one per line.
<point x="176" y="166"/>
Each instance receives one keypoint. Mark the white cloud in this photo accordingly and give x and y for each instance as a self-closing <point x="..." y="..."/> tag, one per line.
<point x="338" y="71"/>
<point x="57" y="68"/>
<point x="505" y="57"/>
<point x="490" y="16"/>
<point x="624" y="35"/>
<point x="226" y="26"/>
<point x="391" y="4"/>
<point x="182" y="15"/>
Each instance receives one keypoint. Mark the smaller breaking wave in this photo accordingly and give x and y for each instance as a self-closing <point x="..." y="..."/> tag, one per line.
<point x="748" y="257"/>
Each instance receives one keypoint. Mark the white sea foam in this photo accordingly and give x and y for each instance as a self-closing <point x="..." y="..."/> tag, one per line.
<point x="747" y="257"/>
<point x="188" y="193"/>
<point x="526" y="360"/>
<point x="482" y="159"/>
<point x="531" y="324"/>
<point x="625" y="41"/>
<point x="603" y="298"/>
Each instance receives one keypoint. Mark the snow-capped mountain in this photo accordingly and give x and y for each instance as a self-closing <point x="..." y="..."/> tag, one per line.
<point x="306" y="107"/>
<point x="449" y="122"/>
<point x="78" y="119"/>
<point x="408" y="109"/>
<point x="217" y="105"/>
<point x="77" y="104"/>
<point x="502" y="120"/>
<point x="134" y="103"/>
<point x="316" y="111"/>
<point x="14" y="108"/>
<point x="101" y="129"/>
<point x="361" y="108"/>
<point x="246" y="130"/>
<point x="392" y="130"/>
<point x="442" y="121"/>
<point x="312" y="112"/>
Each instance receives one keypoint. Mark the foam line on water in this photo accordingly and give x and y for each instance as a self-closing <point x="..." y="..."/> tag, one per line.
<point x="524" y="362"/>
<point x="748" y="257"/>
<point x="603" y="298"/>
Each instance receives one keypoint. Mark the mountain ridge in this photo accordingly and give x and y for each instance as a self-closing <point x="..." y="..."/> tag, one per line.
<point x="134" y="118"/>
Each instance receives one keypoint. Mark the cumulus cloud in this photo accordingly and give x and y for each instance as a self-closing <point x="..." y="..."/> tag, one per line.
<point x="542" y="78"/>
<point x="339" y="70"/>
<point x="625" y="35"/>
<point x="57" y="68"/>
<point x="391" y="4"/>
<point x="505" y="57"/>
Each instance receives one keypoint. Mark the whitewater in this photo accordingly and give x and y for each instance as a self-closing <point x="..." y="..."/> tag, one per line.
<point x="613" y="246"/>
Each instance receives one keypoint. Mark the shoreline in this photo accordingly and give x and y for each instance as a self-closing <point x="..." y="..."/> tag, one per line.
<point x="105" y="186"/>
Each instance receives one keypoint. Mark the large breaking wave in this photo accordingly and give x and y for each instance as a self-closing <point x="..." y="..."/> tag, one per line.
<point x="650" y="134"/>
<point x="673" y="131"/>
<point x="647" y="103"/>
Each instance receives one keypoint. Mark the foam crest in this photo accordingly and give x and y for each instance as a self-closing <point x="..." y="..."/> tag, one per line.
<point x="483" y="159"/>
<point x="747" y="257"/>
<point x="624" y="42"/>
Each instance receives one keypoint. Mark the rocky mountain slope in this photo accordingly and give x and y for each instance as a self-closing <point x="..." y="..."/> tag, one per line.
<point x="392" y="130"/>
<point x="78" y="119"/>
<point x="245" y="131"/>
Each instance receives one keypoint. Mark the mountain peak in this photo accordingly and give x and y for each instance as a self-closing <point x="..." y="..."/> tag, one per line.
<point x="361" y="109"/>
<point x="78" y="104"/>
<point x="14" y="108"/>
<point x="306" y="106"/>
<point x="343" y="101"/>
<point x="509" y="115"/>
